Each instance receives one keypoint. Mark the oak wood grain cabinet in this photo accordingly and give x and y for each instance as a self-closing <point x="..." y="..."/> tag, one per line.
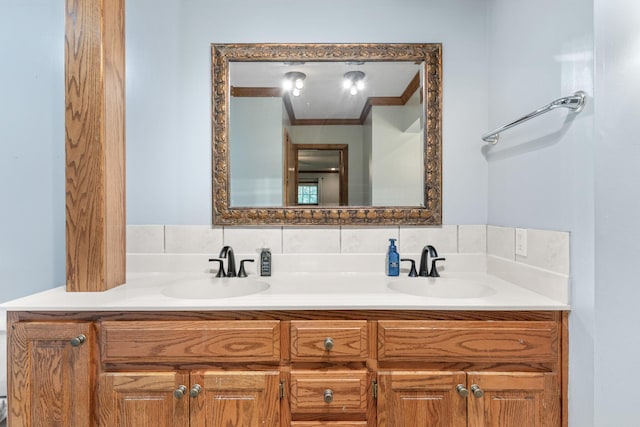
<point x="363" y="368"/>
<point x="459" y="399"/>
<point x="50" y="367"/>
<point x="142" y="399"/>
<point x="211" y="399"/>
<point x="507" y="375"/>
<point x="238" y="396"/>
<point x="330" y="379"/>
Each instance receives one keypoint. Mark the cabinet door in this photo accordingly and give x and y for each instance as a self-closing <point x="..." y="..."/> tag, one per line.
<point x="421" y="399"/>
<point x="50" y="380"/>
<point x="236" y="398"/>
<point x="143" y="399"/>
<point x="514" y="399"/>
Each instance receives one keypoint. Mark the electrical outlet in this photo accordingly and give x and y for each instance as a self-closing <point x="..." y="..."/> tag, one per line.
<point x="521" y="241"/>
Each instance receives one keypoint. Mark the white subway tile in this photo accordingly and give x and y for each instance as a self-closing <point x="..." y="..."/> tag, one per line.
<point x="548" y="250"/>
<point x="501" y="241"/>
<point x="310" y="240"/>
<point x="193" y="239"/>
<point x="472" y="238"/>
<point x="443" y="238"/>
<point x="367" y="240"/>
<point x="249" y="240"/>
<point x="170" y="263"/>
<point x="145" y="239"/>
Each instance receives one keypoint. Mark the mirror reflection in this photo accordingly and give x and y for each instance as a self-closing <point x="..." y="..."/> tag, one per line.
<point x="332" y="133"/>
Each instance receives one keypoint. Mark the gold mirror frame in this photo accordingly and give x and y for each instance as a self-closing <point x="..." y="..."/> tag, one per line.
<point x="430" y="214"/>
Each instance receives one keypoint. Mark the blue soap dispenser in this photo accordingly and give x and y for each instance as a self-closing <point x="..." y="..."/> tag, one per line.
<point x="393" y="259"/>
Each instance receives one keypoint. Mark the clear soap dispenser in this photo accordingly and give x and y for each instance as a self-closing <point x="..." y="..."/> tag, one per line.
<point x="393" y="259"/>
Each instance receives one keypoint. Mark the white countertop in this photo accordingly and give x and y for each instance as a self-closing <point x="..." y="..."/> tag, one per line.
<point x="292" y="291"/>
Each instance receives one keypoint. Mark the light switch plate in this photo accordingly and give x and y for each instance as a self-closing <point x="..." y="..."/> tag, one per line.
<point x="521" y="241"/>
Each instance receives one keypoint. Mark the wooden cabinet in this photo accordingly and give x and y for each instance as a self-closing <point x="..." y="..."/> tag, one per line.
<point x="288" y="369"/>
<point x="320" y="340"/>
<point x="190" y="341"/>
<point x="522" y="399"/>
<point x="475" y="399"/>
<point x="333" y="391"/>
<point x="507" y="376"/>
<point x="50" y="374"/>
<point x="211" y="399"/>
<point x="197" y="398"/>
<point x="415" y="399"/>
<point x="142" y="399"/>
<point x="468" y="341"/>
<point x="322" y="390"/>
<point x="236" y="398"/>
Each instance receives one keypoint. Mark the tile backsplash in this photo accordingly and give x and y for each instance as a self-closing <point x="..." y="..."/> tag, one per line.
<point x="548" y="250"/>
<point x="470" y="248"/>
<point x="296" y="240"/>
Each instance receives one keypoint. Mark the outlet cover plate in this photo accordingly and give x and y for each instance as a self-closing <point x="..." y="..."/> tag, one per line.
<point x="521" y="241"/>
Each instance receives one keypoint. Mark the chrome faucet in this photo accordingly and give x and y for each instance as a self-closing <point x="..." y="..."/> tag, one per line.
<point x="227" y="252"/>
<point x="429" y="255"/>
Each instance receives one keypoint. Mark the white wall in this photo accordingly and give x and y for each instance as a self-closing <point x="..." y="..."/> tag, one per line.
<point x="617" y="214"/>
<point x="367" y="140"/>
<point x="541" y="174"/>
<point x="396" y="158"/>
<point x="169" y="88"/>
<point x="32" y="213"/>
<point x="256" y="163"/>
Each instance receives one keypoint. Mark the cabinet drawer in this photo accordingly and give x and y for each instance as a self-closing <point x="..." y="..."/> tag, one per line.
<point x="329" y="340"/>
<point x="347" y="390"/>
<point x="190" y="341"/>
<point x="468" y="341"/>
<point x="329" y="424"/>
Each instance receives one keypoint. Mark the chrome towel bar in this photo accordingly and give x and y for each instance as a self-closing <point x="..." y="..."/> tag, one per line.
<point x="575" y="103"/>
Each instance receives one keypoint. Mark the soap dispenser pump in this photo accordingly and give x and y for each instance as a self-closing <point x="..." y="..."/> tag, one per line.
<point x="393" y="259"/>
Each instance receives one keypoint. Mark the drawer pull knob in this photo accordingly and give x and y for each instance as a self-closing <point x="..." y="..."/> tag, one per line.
<point x="328" y="344"/>
<point x="78" y="341"/>
<point x="477" y="391"/>
<point x="462" y="390"/>
<point x="328" y="396"/>
<point x="180" y="392"/>
<point x="195" y="390"/>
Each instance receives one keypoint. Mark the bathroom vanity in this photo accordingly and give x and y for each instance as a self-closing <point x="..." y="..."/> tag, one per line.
<point x="236" y="363"/>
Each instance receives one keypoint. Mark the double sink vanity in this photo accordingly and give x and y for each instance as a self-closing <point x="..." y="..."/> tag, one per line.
<point x="330" y="347"/>
<point x="298" y="348"/>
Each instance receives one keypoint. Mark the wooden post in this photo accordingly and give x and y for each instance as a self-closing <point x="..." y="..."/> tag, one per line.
<point x="95" y="144"/>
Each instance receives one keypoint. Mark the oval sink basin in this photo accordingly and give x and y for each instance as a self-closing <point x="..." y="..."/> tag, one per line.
<point x="213" y="288"/>
<point x="441" y="287"/>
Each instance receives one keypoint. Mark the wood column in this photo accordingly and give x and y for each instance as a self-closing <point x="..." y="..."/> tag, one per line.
<point x="95" y="144"/>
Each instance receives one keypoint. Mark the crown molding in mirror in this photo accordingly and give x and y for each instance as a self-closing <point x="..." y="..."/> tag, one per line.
<point x="430" y="214"/>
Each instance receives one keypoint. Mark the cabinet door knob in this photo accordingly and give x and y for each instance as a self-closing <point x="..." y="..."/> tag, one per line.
<point x="328" y="343"/>
<point x="462" y="390"/>
<point x="180" y="392"/>
<point x="477" y="391"/>
<point x="328" y="396"/>
<point x="195" y="390"/>
<point x="79" y="340"/>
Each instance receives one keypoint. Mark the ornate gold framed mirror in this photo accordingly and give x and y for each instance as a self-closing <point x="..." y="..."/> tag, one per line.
<point x="379" y="104"/>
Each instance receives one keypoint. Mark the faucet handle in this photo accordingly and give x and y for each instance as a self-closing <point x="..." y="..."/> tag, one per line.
<point x="434" y="271"/>
<point x="412" y="271"/>
<point x="242" y="272"/>
<point x="220" y="267"/>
